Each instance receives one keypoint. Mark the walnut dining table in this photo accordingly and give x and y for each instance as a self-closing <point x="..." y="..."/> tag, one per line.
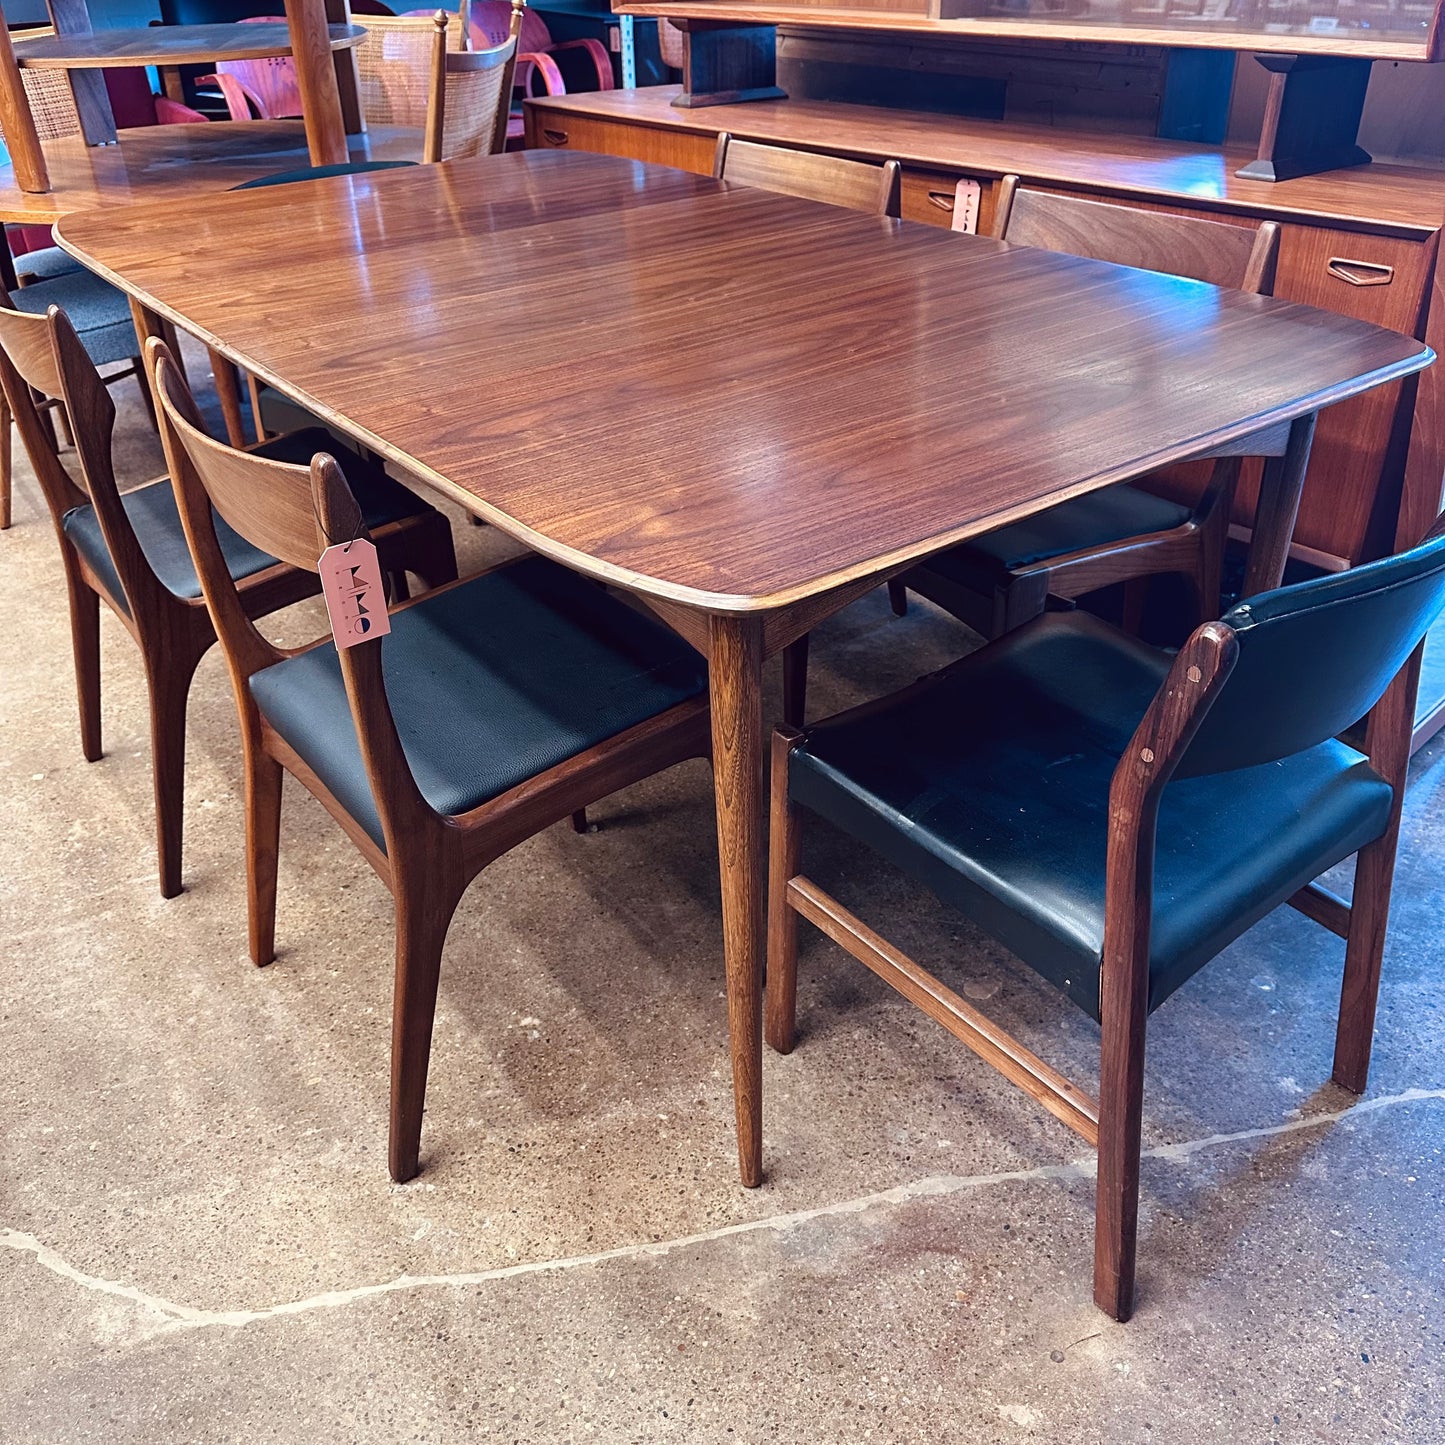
<point x="743" y="408"/>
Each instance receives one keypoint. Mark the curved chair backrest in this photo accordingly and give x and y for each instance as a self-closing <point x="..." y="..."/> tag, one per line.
<point x="834" y="180"/>
<point x="318" y="173"/>
<point x="270" y="83"/>
<point x="1314" y="658"/>
<point x="490" y="22"/>
<point x="266" y="501"/>
<point x="394" y="66"/>
<point x="1212" y="251"/>
<point x="27" y="361"/>
<point x="471" y="93"/>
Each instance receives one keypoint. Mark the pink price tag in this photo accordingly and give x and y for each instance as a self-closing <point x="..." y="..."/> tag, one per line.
<point x="355" y="598"/>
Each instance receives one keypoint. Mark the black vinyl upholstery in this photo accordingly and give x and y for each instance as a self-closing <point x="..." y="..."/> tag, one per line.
<point x="1094" y="520"/>
<point x="490" y="683"/>
<point x="989" y="783"/>
<point x="157" y="523"/>
<point x="320" y="173"/>
<point x="1315" y="657"/>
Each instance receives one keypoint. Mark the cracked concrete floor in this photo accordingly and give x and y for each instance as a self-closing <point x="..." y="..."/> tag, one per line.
<point x="201" y="1244"/>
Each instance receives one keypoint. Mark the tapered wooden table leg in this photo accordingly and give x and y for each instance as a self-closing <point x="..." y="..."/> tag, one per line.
<point x="1274" y="513"/>
<point x="736" y="672"/>
<point x="228" y="390"/>
<point x="316" y="80"/>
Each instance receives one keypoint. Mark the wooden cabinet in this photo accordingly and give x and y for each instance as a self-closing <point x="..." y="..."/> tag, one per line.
<point x="1361" y="242"/>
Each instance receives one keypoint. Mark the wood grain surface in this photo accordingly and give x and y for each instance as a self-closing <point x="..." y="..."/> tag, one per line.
<point x="172" y="163"/>
<point x="167" y="45"/>
<point x="1401" y="198"/>
<point x="763" y="398"/>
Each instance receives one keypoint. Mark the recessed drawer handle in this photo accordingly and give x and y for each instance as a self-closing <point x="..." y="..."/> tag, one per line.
<point x="1360" y="273"/>
<point x="942" y="199"/>
<point x="559" y="138"/>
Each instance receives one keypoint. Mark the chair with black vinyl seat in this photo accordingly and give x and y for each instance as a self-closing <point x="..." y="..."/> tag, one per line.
<point x="1124" y="533"/>
<point x="1116" y="817"/>
<point x="128" y="551"/>
<point x="101" y="317"/>
<point x="494" y="708"/>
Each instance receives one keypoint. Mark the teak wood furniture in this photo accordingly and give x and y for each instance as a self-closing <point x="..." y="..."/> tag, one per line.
<point x="127" y="550"/>
<point x="471" y="94"/>
<point x="440" y="759"/>
<point x="325" y="74"/>
<point x="794" y="401"/>
<point x="1361" y="242"/>
<point x="1117" y="817"/>
<point x="1126" y="534"/>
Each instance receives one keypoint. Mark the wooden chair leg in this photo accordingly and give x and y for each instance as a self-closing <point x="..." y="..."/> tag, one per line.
<point x="1364" y="952"/>
<point x="1121" y="1120"/>
<point x="85" y="645"/>
<point x="784" y="854"/>
<point x="579" y="821"/>
<point x="422" y="919"/>
<point x="398" y="589"/>
<point x="795" y="681"/>
<point x="263" y="842"/>
<point x="6" y="454"/>
<point x="1136" y="596"/>
<point x="170" y="686"/>
<point x="147" y="400"/>
<point x="898" y="598"/>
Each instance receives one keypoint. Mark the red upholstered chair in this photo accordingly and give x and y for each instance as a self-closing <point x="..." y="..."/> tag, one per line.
<point x="535" y="55"/>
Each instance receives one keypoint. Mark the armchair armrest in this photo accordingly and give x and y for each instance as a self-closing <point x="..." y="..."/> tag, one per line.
<point x="234" y="94"/>
<point x="600" y="59"/>
<point x="543" y="65"/>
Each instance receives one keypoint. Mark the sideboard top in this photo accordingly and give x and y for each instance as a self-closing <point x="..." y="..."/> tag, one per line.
<point x="1400" y="200"/>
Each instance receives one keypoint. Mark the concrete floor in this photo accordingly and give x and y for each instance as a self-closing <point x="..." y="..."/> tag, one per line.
<point x="201" y="1243"/>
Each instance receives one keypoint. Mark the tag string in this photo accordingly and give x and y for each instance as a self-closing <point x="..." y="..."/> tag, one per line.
<point x="330" y="540"/>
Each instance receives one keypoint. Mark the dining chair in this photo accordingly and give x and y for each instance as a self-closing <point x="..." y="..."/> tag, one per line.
<point x="1125" y="533"/>
<point x="834" y="180"/>
<point x="267" y="87"/>
<point x="394" y="66"/>
<point x="101" y="317"/>
<point x="128" y="551"/>
<point x="493" y="708"/>
<point x="1116" y="816"/>
<point x="470" y="94"/>
<point x="588" y="63"/>
<point x="858" y="185"/>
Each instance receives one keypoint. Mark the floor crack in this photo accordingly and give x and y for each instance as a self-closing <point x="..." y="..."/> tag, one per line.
<point x="170" y="1317"/>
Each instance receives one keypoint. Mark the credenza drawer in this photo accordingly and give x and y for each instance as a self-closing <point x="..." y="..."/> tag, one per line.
<point x="566" y="130"/>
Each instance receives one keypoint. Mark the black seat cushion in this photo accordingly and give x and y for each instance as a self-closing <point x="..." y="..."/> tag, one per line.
<point x="989" y="783"/>
<point x="1094" y="520"/>
<point x="157" y="522"/>
<point x="490" y="683"/>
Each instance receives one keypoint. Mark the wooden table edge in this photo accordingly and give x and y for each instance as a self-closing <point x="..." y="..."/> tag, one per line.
<point x="733" y="604"/>
<point x="201" y="55"/>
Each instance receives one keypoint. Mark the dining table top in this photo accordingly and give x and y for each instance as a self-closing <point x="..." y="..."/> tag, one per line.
<point x="711" y="394"/>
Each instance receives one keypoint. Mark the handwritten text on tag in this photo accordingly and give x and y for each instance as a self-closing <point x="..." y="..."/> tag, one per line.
<point x="355" y="598"/>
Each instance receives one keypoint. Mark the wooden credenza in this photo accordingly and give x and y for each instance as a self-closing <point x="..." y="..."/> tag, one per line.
<point x="1363" y="242"/>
